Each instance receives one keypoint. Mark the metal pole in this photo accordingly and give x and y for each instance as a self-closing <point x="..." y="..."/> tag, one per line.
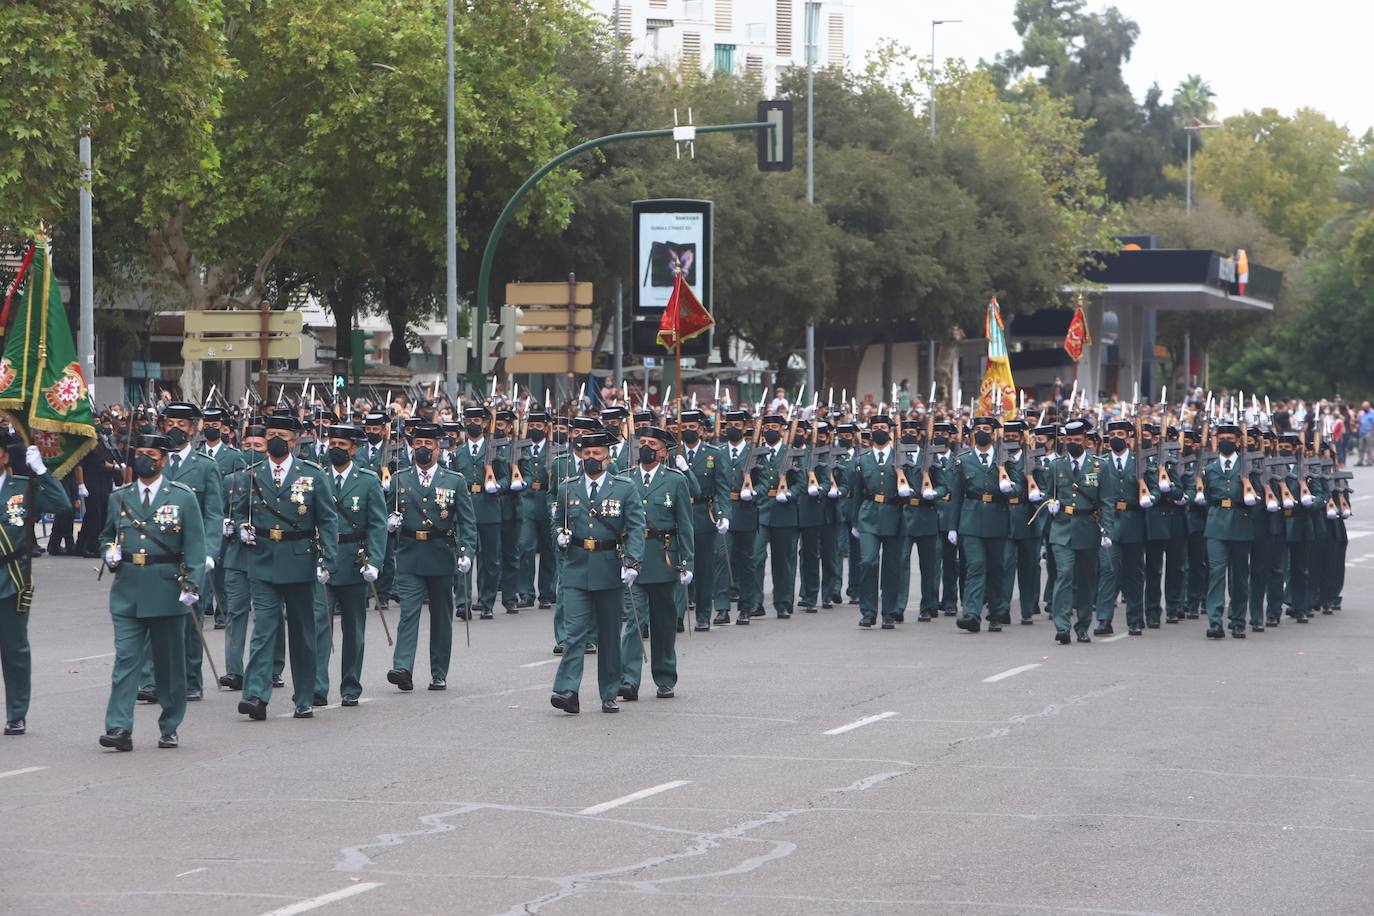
<point x="1188" y="359"/>
<point x="86" y="335"/>
<point x="451" y="205"/>
<point x="930" y="368"/>
<point x="1188" y="195"/>
<point x="618" y="345"/>
<point x="933" y="24"/>
<point x="812" y="9"/>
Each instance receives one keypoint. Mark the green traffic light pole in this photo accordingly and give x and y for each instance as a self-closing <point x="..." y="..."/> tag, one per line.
<point x="489" y="253"/>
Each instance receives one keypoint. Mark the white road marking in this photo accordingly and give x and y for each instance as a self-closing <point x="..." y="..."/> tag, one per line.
<point x="21" y="772"/>
<point x="315" y="903"/>
<point x="288" y="715"/>
<point x="1352" y="535"/>
<point x="1115" y="638"/>
<point x="866" y="720"/>
<point x="1010" y="672"/>
<point x="193" y="871"/>
<point x="634" y="796"/>
<point x="547" y="661"/>
<point x="89" y="658"/>
<point x="1360" y="499"/>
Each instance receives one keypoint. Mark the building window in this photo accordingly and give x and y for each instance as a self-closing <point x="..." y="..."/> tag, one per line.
<point x="753" y="67"/>
<point x="623" y="29"/>
<point x="784" y="28"/>
<point x="658" y="4"/>
<point x="691" y="54"/>
<point x="725" y="16"/>
<point x="835" y="53"/>
<point x="725" y="58"/>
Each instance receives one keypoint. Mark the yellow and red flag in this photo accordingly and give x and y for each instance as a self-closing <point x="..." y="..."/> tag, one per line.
<point x="997" y="394"/>
<point x="1077" y="337"/>
<point x="684" y="318"/>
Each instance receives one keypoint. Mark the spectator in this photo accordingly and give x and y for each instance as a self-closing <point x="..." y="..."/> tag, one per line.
<point x="1366" y="434"/>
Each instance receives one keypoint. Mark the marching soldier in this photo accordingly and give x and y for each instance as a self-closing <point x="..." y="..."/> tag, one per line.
<point x="833" y="526"/>
<point x="1269" y="529"/>
<point x="1123" y="518"/>
<point x="1296" y="497"/>
<point x="292" y="532"/>
<point x="21" y="496"/>
<point x="155" y="543"/>
<point x="951" y="571"/>
<point x="215" y="422"/>
<point x="613" y="420"/>
<point x="1047" y="438"/>
<point x="434" y="517"/>
<point x="710" y="511"/>
<point x="812" y="505"/>
<point x="846" y="546"/>
<point x="599" y="520"/>
<point x="201" y="474"/>
<point x="981" y="487"/>
<point x="510" y="511"/>
<point x="778" y="487"/>
<point x="567" y="466"/>
<point x="878" y="499"/>
<point x="921" y="527"/>
<point x="1075" y="535"/>
<point x="487" y="476"/>
<point x="536" y="540"/>
<point x="666" y="570"/>
<point x="1196" y="520"/>
<point x="1022" y="558"/>
<point x="1230" y="528"/>
<point x="1166" y="545"/>
<point x="360" y="505"/>
<point x="744" y="522"/>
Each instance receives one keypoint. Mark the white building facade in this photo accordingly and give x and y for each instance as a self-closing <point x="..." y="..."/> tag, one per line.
<point x="756" y="38"/>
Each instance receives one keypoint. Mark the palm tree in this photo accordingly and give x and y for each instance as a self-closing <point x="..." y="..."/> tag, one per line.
<point x="1193" y="100"/>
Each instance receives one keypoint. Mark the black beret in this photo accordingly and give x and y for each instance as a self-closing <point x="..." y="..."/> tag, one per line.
<point x="181" y="410"/>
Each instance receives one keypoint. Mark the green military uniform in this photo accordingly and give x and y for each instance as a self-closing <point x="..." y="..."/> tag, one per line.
<point x="491" y="510"/>
<point x="1166" y="547"/>
<point x="877" y="509"/>
<point x="1123" y="518"/>
<point x="536" y="542"/>
<point x="1230" y="529"/>
<point x="1075" y="538"/>
<point x="22" y="497"/>
<point x="744" y="529"/>
<point x="921" y="526"/>
<point x="950" y="561"/>
<point x="779" y="529"/>
<point x="1022" y="558"/>
<point x="669" y="550"/>
<point x="361" y="508"/>
<point x="984" y="525"/>
<point x="845" y="545"/>
<point x="295" y="530"/>
<point x="1298" y="537"/>
<point x="159" y="542"/>
<point x="1196" y="520"/>
<point x="437" y="525"/>
<point x="605" y="525"/>
<point x="1268" y="540"/>
<point x="564" y="466"/>
<point x="201" y="474"/>
<point x="238" y="591"/>
<point x="693" y="492"/>
<point x="228" y="460"/>
<point x="375" y="458"/>
<point x="709" y="466"/>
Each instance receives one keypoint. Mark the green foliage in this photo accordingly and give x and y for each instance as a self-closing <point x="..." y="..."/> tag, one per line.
<point x="1192" y="101"/>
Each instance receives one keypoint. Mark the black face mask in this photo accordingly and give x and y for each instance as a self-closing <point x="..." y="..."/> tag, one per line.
<point x="592" y="466"/>
<point x="690" y="437"/>
<point x="1075" y="449"/>
<point x="474" y="430"/>
<point x="846" y="442"/>
<point x="423" y="455"/>
<point x="881" y="437"/>
<point x="212" y="434"/>
<point x="1226" y="447"/>
<point x="1286" y="452"/>
<point x="177" y="437"/>
<point x="734" y="434"/>
<point x="374" y="438"/>
<point x="339" y="457"/>
<point x="277" y="447"/>
<point x="941" y="442"/>
<point x="772" y="436"/>
<point x="799" y="442"/>
<point x="145" y="467"/>
<point x="982" y="438"/>
<point x="1119" y="445"/>
<point x="908" y="440"/>
<point x="560" y="437"/>
<point x="647" y="454"/>
<point x="613" y="429"/>
<point x="537" y="435"/>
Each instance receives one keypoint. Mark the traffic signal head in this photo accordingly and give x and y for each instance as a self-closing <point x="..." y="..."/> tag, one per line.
<point x="775" y="141"/>
<point x="511" y="330"/>
<point x="360" y="354"/>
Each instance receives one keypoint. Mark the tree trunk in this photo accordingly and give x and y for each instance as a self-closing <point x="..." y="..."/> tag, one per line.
<point x="343" y="295"/>
<point x="393" y="297"/>
<point x="887" y="367"/>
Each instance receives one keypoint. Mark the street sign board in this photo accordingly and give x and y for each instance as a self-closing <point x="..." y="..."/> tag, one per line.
<point x="224" y="348"/>
<point x="243" y="322"/>
<point x="547" y="294"/>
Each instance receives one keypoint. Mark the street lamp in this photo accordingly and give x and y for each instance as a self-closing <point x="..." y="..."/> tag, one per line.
<point x="933" y="24"/>
<point x="813" y="18"/>
<point x="1191" y="128"/>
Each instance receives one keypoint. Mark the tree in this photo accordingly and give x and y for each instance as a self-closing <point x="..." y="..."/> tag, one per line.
<point x="1192" y="100"/>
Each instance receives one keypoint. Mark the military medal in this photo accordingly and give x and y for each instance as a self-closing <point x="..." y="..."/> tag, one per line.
<point x="301" y="511"/>
<point x="668" y="501"/>
<point x="443" y="514"/>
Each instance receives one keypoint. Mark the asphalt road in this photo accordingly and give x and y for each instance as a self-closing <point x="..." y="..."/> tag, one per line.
<point x="806" y="766"/>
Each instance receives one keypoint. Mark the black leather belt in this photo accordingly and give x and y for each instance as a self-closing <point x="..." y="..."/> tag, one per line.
<point x="279" y="534"/>
<point x="352" y="537"/>
<point x="437" y="534"/>
<point x="700" y="500"/>
<point x="592" y="544"/>
<point x="659" y="533"/>
<point x="143" y="559"/>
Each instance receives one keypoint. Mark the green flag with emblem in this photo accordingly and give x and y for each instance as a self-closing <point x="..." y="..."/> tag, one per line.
<point x="42" y="390"/>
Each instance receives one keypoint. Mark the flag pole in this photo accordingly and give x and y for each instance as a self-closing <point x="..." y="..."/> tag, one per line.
<point x="677" y="366"/>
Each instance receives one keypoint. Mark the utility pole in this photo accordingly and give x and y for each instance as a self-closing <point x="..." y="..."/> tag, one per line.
<point x="1191" y="128"/>
<point x="451" y="207"/>
<point x="933" y="24"/>
<point x="86" y="335"/>
<point x="813" y="16"/>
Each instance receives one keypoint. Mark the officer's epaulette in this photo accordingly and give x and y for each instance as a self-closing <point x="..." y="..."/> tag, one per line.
<point x="674" y="470"/>
<point x="122" y="486"/>
<point x="178" y="485"/>
<point x="310" y="464"/>
<point x="365" y="472"/>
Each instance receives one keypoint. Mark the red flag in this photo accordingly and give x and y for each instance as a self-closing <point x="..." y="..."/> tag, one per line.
<point x="1077" y="336"/>
<point x="684" y="318"/>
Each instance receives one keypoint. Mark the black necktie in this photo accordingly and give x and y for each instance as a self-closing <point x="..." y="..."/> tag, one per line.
<point x="1120" y="464"/>
<point x="176" y="460"/>
<point x="880" y="459"/>
<point x="647" y="477"/>
<point x="982" y="456"/>
<point x="593" y="490"/>
<point x="338" y="482"/>
<point x="147" y="496"/>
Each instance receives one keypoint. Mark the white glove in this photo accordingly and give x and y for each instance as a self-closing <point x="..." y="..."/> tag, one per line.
<point x="833" y="493"/>
<point x="322" y="575"/>
<point x="781" y="497"/>
<point x="1146" y="502"/>
<point x="1054" y="506"/>
<point x="723" y="525"/>
<point x="515" y="485"/>
<point x="1331" y="512"/>
<point x="953" y="537"/>
<point x="681" y="462"/>
<point x="628" y="575"/>
<point x="1005" y="486"/>
<point x="34" y="459"/>
<point x="746" y="495"/>
<point x="1251" y="499"/>
<point x="1165" y="486"/>
<point x="1305" y="499"/>
<point x="1200" y="499"/>
<point x="905" y="492"/>
<point x="209" y="564"/>
<point x="685" y="577"/>
<point x="1106" y="541"/>
<point x="813" y="491"/>
<point x="1345" y="513"/>
<point x="393" y="521"/>
<point x="854" y="533"/>
<point x="113" y="555"/>
<point x="188" y="598"/>
<point x="1271" y="506"/>
<point x="386" y="485"/>
<point x="370" y="573"/>
<point x="1288" y="503"/>
<point x="927" y="494"/>
<point x="248" y="536"/>
<point x="228" y="527"/>
<point x="563" y="540"/>
<point x="465" y="564"/>
<point x="81" y="491"/>
<point x="492" y="487"/>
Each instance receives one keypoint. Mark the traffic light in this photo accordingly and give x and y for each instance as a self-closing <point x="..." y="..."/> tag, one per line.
<point x="775" y="143"/>
<point x="359" y="357"/>
<point x="491" y="345"/>
<point x="511" y="331"/>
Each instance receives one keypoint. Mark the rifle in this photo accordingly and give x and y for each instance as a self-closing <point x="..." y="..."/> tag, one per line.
<point x="751" y="458"/>
<point x="1203" y="455"/>
<point x="928" y="449"/>
<point x="490" y="472"/>
<point x="1247" y="488"/>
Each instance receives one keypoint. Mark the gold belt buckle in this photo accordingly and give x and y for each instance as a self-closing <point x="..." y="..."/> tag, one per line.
<point x="475" y="488"/>
<point x="422" y="535"/>
<point x="916" y="501"/>
<point x="589" y="543"/>
<point x="140" y="559"/>
<point x="1013" y="501"/>
<point x="987" y="497"/>
<point x="275" y="534"/>
<point x="880" y="497"/>
<point x="536" y="486"/>
<point x="773" y="492"/>
<point x="1069" y="510"/>
<point x="1226" y="504"/>
<point x="1121" y="505"/>
<point x="735" y="497"/>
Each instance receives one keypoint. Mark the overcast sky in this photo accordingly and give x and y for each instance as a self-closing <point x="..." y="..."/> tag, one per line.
<point x="1255" y="54"/>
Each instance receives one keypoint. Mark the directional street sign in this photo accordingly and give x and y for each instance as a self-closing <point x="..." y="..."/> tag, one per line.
<point x="222" y="348"/>
<point x="243" y="322"/>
